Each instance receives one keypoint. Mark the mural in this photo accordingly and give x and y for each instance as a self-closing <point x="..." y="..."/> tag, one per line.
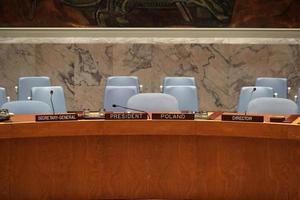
<point x="146" y="12"/>
<point x="149" y="13"/>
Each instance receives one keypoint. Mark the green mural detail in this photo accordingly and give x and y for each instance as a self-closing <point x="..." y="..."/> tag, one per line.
<point x="150" y="13"/>
<point x="109" y="13"/>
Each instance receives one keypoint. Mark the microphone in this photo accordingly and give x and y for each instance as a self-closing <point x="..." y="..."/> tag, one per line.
<point x="51" y="100"/>
<point x="250" y="98"/>
<point x="119" y="106"/>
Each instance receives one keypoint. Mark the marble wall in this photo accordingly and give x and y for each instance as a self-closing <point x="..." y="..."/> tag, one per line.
<point x="220" y="69"/>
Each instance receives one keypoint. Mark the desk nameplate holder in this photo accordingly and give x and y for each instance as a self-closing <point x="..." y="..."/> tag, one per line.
<point x="242" y="118"/>
<point x="284" y="119"/>
<point x="126" y="116"/>
<point x="173" y="116"/>
<point x="56" y="117"/>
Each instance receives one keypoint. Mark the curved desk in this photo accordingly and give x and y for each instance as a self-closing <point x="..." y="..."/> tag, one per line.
<point x="97" y="159"/>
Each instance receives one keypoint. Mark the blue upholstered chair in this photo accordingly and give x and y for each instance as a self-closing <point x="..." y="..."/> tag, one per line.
<point x="26" y="83"/>
<point x="2" y="96"/>
<point x="178" y="81"/>
<point x="124" y="81"/>
<point x="270" y="105"/>
<point x="58" y="104"/>
<point x="279" y="85"/>
<point x="27" y="107"/>
<point x="175" y="81"/>
<point x="153" y="102"/>
<point x="249" y="93"/>
<point x="118" y="95"/>
<point x="186" y="96"/>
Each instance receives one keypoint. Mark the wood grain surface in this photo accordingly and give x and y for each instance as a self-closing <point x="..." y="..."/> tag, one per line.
<point x="149" y="160"/>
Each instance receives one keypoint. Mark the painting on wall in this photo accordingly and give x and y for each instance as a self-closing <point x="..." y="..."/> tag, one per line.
<point x="150" y="13"/>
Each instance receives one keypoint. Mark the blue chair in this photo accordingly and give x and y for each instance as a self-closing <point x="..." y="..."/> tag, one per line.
<point x="178" y="81"/>
<point x="153" y="102"/>
<point x="118" y="95"/>
<point x="186" y="96"/>
<point x="273" y="106"/>
<point x="279" y="85"/>
<point x="175" y="81"/>
<point x="2" y="96"/>
<point x="58" y="104"/>
<point x="27" y="107"/>
<point x="249" y="93"/>
<point x="26" y="83"/>
<point x="123" y="81"/>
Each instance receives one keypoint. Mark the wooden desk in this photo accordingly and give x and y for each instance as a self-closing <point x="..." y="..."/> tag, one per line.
<point x="149" y="159"/>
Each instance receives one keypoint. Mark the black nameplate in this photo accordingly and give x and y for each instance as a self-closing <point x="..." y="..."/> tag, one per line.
<point x="242" y="118"/>
<point x="56" y="117"/>
<point x="126" y="116"/>
<point x="277" y="119"/>
<point x="173" y="116"/>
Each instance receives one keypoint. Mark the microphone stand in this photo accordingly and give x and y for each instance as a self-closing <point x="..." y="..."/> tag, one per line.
<point x="119" y="106"/>
<point x="51" y="100"/>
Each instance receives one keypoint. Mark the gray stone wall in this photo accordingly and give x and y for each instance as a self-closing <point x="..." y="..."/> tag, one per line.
<point x="221" y="67"/>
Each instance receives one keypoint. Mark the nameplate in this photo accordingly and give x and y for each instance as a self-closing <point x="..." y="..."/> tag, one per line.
<point x="126" y="116"/>
<point x="277" y="119"/>
<point x="173" y="116"/>
<point x="284" y="119"/>
<point x="242" y="118"/>
<point x="56" y="117"/>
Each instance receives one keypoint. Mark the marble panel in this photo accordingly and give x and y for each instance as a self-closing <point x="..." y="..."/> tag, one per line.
<point x="252" y="61"/>
<point x="134" y="60"/>
<point x="57" y="62"/>
<point x="203" y="61"/>
<point x="16" y="60"/>
<point x="92" y="65"/>
<point x="220" y="69"/>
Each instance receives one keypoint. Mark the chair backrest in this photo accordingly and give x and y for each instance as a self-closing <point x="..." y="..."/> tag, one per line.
<point x="118" y="95"/>
<point x="153" y="102"/>
<point x="187" y="97"/>
<point x="58" y="98"/>
<point x="279" y="85"/>
<point x="270" y="105"/>
<point x="26" y="83"/>
<point x="298" y="101"/>
<point x="249" y="93"/>
<point x="123" y="81"/>
<point x="176" y="81"/>
<point x="2" y="96"/>
<point x="27" y="107"/>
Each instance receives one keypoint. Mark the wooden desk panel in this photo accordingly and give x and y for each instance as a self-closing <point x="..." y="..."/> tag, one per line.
<point x="147" y="159"/>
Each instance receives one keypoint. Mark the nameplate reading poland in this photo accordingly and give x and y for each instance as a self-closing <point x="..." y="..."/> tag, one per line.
<point x="173" y="116"/>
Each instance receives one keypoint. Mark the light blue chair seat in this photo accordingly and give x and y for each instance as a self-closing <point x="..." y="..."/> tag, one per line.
<point x="249" y="93"/>
<point x="273" y="106"/>
<point x="26" y="83"/>
<point x="44" y="94"/>
<point x="27" y="107"/>
<point x="118" y="95"/>
<point x="153" y="102"/>
<point x="279" y="85"/>
<point x="186" y="96"/>
<point x="2" y="96"/>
